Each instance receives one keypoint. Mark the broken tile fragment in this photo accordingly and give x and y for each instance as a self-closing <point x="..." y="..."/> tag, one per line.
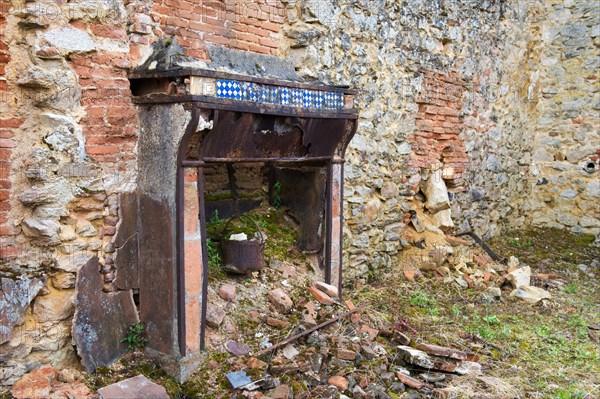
<point x="339" y="382"/>
<point x="328" y="289"/>
<point x="409" y="381"/>
<point x="321" y="296"/>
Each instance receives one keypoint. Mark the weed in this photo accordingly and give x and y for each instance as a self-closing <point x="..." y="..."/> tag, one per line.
<point x="135" y="337"/>
<point x="422" y="300"/>
<point x="491" y="319"/>
<point x="517" y="243"/>
<point x="277" y="194"/>
<point x="570" y="393"/>
<point x="571" y="288"/>
<point x="215" y="217"/>
<point x="456" y="312"/>
<point x="215" y="260"/>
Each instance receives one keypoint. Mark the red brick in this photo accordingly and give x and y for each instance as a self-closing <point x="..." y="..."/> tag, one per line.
<point x="7" y="143"/>
<point x="109" y="31"/>
<point x="102" y="149"/>
<point x="11" y="122"/>
<point x="268" y="42"/>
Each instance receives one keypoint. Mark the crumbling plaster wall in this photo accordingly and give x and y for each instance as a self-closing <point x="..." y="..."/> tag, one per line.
<point x="497" y="94"/>
<point x="70" y="130"/>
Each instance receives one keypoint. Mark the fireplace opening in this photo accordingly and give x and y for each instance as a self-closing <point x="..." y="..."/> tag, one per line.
<point x="280" y="209"/>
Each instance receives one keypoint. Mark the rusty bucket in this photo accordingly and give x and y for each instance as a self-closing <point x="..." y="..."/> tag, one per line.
<point x="246" y="256"/>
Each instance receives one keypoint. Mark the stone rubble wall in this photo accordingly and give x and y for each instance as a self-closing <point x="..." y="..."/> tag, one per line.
<point x="498" y="98"/>
<point x="566" y="144"/>
<point x="69" y="130"/>
<point x="430" y="75"/>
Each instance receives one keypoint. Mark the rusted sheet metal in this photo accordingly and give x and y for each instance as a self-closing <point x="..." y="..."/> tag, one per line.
<point x="186" y="72"/>
<point x="303" y="192"/>
<point x="238" y="135"/>
<point x="251" y="107"/>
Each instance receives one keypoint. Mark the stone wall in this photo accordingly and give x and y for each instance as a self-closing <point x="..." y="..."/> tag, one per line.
<point x="434" y="89"/>
<point x="566" y="151"/>
<point x="498" y="98"/>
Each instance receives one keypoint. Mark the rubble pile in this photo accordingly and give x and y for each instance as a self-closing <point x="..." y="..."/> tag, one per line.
<point x="467" y="263"/>
<point x="351" y="353"/>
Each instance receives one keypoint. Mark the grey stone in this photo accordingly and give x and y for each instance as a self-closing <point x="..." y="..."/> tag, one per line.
<point x="476" y="194"/>
<point x="397" y="387"/>
<point x="326" y="12"/>
<point x="101" y="319"/>
<point x="36" y="78"/>
<point x="45" y="231"/>
<point x="569" y="194"/>
<point x="70" y="40"/>
<point x="520" y="277"/>
<point x="432" y="377"/>
<point x="530" y="294"/>
<point x="573" y="30"/>
<point x="73" y="262"/>
<point x="471" y="368"/>
<point x="236" y="348"/>
<point x="214" y="316"/>
<point x="16" y="295"/>
<point x="252" y="64"/>
<point x="134" y="388"/>
<point x="593" y="189"/>
<point x="415" y="356"/>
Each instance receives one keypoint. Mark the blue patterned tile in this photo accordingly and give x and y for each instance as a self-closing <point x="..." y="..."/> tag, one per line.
<point x="270" y="94"/>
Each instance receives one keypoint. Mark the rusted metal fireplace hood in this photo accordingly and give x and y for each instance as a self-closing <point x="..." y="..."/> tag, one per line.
<point x="242" y="82"/>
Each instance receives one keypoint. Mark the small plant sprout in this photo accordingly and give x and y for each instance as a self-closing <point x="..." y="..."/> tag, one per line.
<point x="135" y="339"/>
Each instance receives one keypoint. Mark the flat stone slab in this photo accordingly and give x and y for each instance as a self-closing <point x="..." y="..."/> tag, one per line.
<point x="134" y="388"/>
<point x="101" y="319"/>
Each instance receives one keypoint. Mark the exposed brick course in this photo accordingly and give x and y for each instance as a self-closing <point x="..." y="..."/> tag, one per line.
<point x="243" y="25"/>
<point x="438" y="125"/>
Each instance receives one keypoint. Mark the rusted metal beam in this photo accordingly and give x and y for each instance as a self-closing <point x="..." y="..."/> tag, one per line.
<point x="247" y="106"/>
<point x="305" y="332"/>
<point x="328" y="222"/>
<point x="483" y="245"/>
<point x="266" y="159"/>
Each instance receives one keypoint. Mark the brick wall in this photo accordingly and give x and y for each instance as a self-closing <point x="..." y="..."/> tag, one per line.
<point x="7" y="124"/>
<point x="110" y="123"/>
<point x="243" y="25"/>
<point x="439" y="124"/>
